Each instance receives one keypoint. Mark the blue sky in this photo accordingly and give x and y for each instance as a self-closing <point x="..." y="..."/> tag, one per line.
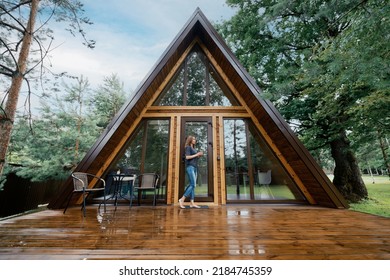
<point x="130" y="37"/>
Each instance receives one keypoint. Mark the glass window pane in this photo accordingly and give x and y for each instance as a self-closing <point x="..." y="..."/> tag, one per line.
<point x="196" y="84"/>
<point x="147" y="151"/>
<point x="131" y="158"/>
<point x="196" y="87"/>
<point x="174" y="95"/>
<point x="199" y="130"/>
<point x="217" y="97"/>
<point x="156" y="151"/>
<point x="236" y="160"/>
<point x="269" y="179"/>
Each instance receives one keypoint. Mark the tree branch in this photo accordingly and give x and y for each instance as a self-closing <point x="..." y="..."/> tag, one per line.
<point x="23" y="28"/>
<point x="16" y="6"/>
<point x="10" y="53"/>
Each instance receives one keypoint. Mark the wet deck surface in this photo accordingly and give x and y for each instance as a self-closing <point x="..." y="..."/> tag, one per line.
<point x="221" y="233"/>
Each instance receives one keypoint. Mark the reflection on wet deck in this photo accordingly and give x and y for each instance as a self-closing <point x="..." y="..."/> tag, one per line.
<point x="220" y="232"/>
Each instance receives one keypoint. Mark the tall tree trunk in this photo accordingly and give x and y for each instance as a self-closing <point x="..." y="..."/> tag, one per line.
<point x="7" y="122"/>
<point x="384" y="153"/>
<point x="347" y="176"/>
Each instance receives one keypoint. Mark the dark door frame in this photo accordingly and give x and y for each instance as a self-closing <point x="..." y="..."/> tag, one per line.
<point x="210" y="178"/>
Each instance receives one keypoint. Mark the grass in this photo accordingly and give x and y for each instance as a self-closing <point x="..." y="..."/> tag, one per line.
<point x="378" y="202"/>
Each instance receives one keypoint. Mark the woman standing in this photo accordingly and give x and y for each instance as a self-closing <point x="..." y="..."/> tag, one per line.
<point x="191" y="156"/>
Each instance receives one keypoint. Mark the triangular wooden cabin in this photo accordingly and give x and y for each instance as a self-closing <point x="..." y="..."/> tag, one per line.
<point x="198" y="87"/>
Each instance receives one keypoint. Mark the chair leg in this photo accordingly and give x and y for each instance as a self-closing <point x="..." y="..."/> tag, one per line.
<point x="104" y="202"/>
<point x="84" y="206"/>
<point x="131" y="196"/>
<point x="70" y="197"/>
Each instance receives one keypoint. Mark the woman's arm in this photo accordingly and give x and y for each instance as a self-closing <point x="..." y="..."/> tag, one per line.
<point x="198" y="154"/>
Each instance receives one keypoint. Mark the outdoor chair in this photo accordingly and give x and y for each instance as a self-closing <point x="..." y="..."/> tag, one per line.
<point x="145" y="182"/>
<point x="80" y="185"/>
<point x="265" y="179"/>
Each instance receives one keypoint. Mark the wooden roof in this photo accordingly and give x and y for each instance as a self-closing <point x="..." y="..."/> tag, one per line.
<point x="301" y="164"/>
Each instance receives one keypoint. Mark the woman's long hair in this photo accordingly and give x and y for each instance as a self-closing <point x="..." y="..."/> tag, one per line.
<point x="189" y="141"/>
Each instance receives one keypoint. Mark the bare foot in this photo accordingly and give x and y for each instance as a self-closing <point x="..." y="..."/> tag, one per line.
<point x="181" y="204"/>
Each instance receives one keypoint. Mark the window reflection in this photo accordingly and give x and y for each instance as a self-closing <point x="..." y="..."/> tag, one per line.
<point x="252" y="170"/>
<point x="196" y="84"/>
<point x="147" y="151"/>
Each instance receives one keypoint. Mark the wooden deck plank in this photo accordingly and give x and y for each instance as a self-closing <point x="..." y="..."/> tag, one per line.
<point x="217" y="233"/>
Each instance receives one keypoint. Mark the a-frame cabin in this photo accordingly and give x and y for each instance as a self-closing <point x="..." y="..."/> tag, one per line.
<point x="198" y="87"/>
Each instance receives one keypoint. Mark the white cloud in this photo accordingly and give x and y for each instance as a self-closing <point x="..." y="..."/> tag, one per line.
<point x="130" y="37"/>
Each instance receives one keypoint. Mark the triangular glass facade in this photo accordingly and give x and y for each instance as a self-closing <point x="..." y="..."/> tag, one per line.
<point x="252" y="171"/>
<point x="196" y="83"/>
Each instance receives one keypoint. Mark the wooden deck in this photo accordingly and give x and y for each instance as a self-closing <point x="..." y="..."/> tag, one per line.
<point x="220" y="232"/>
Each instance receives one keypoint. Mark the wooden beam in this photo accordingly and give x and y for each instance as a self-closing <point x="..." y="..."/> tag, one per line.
<point x="171" y="179"/>
<point x="215" y="160"/>
<point x="177" y="165"/>
<point x="222" y="161"/>
<point x="196" y="110"/>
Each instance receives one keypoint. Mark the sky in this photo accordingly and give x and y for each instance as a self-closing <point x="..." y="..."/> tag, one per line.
<point x="130" y="36"/>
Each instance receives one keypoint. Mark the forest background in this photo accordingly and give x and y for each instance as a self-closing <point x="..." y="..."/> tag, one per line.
<point x="324" y="64"/>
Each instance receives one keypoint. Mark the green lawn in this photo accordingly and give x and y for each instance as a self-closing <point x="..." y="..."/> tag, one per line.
<point x="378" y="202"/>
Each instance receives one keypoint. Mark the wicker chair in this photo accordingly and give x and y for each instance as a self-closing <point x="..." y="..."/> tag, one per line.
<point x="145" y="182"/>
<point x="80" y="185"/>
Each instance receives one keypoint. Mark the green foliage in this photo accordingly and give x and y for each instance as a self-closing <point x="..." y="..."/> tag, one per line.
<point x="198" y="77"/>
<point x="13" y="21"/>
<point x="51" y="147"/>
<point x="55" y="142"/>
<point x="107" y="100"/>
<point x="325" y="64"/>
<point x="25" y="43"/>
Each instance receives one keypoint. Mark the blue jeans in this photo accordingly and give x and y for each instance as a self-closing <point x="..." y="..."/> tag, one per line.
<point x="192" y="172"/>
